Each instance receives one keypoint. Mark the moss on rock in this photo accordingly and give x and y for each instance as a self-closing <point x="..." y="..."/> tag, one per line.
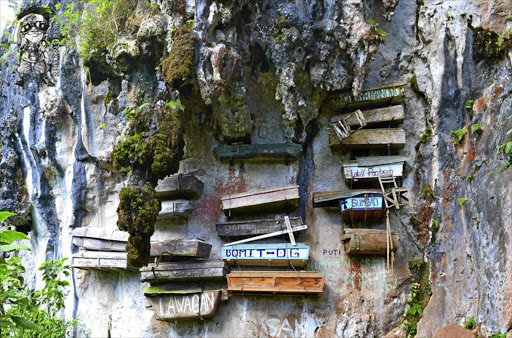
<point x="178" y="67"/>
<point x="133" y="151"/>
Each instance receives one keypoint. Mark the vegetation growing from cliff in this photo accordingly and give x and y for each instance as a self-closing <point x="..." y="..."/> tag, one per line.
<point x="178" y="67"/>
<point x="138" y="209"/>
<point x="420" y="296"/>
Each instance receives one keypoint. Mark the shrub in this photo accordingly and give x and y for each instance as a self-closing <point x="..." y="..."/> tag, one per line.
<point x="470" y="324"/>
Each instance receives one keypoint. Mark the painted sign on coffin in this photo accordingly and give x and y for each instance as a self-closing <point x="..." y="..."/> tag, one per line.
<point x="353" y="171"/>
<point x="361" y="203"/>
<point x="262" y="252"/>
<point x="172" y="307"/>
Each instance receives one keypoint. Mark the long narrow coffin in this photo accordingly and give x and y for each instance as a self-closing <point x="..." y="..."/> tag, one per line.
<point x="266" y="254"/>
<point x="369" y="168"/>
<point x="259" y="152"/>
<point x="370" y="98"/>
<point x="368" y="241"/>
<point x="181" y="248"/>
<point x="371" y="138"/>
<point x="175" y="209"/>
<point x="373" y="116"/>
<point x="179" y="305"/>
<point x="100" y="260"/>
<point x="178" y="271"/>
<point x="100" y="239"/>
<point x="368" y="206"/>
<point x="179" y="186"/>
<point x="326" y="199"/>
<point x="282" y="198"/>
<point x="276" y="282"/>
<point x="245" y="229"/>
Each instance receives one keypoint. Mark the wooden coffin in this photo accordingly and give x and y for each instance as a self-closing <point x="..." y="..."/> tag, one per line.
<point x="368" y="241"/>
<point x="100" y="260"/>
<point x="244" y="229"/>
<point x="181" y="248"/>
<point x="175" y="209"/>
<point x="282" y="198"/>
<point x="100" y="239"/>
<point x="276" y="282"/>
<point x="369" y="168"/>
<point x="266" y="254"/>
<point x="370" y="98"/>
<point x="259" y="152"/>
<point x="326" y="199"/>
<point x="179" y="305"/>
<point x="189" y="270"/>
<point x="371" y="138"/>
<point x="373" y="116"/>
<point x="179" y="186"/>
<point x="363" y="207"/>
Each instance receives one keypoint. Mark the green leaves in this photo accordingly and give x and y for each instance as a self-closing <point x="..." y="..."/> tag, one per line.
<point x="476" y="128"/>
<point x="5" y="215"/>
<point x="415" y="309"/>
<point x="469" y="104"/>
<point x="458" y="135"/>
<point x="13" y="247"/>
<point x="8" y="236"/>
<point x="25" y="323"/>
<point x="174" y="105"/>
<point x="461" y="201"/>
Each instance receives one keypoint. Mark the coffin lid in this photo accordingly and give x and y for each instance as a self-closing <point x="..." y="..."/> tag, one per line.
<point x="328" y="196"/>
<point x="378" y="160"/>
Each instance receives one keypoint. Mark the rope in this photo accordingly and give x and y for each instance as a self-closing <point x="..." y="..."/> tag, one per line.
<point x="298" y="275"/>
<point x="389" y="248"/>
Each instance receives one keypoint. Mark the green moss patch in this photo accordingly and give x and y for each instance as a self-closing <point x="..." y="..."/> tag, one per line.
<point x="178" y="67"/>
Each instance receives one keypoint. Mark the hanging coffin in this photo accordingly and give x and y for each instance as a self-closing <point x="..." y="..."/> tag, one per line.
<point x="100" y="260"/>
<point x="370" y="138"/>
<point x="369" y="241"/>
<point x="179" y="186"/>
<point x="326" y="199"/>
<point x="181" y="248"/>
<point x="363" y="207"/>
<point x="283" y="198"/>
<point x="245" y="229"/>
<point x="175" y="209"/>
<point x="370" y="98"/>
<point x="259" y="152"/>
<point x="394" y="114"/>
<point x="369" y="168"/>
<point x="266" y="254"/>
<point x="276" y="282"/>
<point x="188" y="270"/>
<point x="100" y="239"/>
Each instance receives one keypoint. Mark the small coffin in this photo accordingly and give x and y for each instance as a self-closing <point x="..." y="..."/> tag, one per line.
<point x="245" y="229"/>
<point x="179" y="186"/>
<point x="177" y="271"/>
<point x="100" y="260"/>
<point x="276" y="282"/>
<point x="326" y="199"/>
<point x="373" y="116"/>
<point x="369" y="168"/>
<point x="368" y="241"/>
<point x="363" y="207"/>
<point x="175" y="209"/>
<point x="171" y="306"/>
<point x="259" y="152"/>
<point x="282" y="198"/>
<point x="266" y="254"/>
<point x="100" y="239"/>
<point x="181" y="248"/>
<point x="371" y="138"/>
<point x="370" y="98"/>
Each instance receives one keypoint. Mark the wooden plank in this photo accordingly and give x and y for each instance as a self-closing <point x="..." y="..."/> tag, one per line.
<point x="276" y="198"/>
<point x="100" y="233"/>
<point x="276" y="282"/>
<point x="179" y="186"/>
<point x="175" y="271"/>
<point x="200" y="305"/>
<point x="99" y="244"/>
<point x="266" y="255"/>
<point x="371" y="138"/>
<point x="244" y="229"/>
<point x="369" y="98"/>
<point x="324" y="199"/>
<point x="272" y="234"/>
<point x="374" y="116"/>
<point x="182" y="248"/>
<point x="368" y="241"/>
<point x="175" y="209"/>
<point x="101" y="260"/>
<point x="354" y="171"/>
<point x="259" y="152"/>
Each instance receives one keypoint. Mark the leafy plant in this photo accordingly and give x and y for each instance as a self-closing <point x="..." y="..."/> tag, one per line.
<point x="461" y="201"/>
<point x="469" y="104"/>
<point x="379" y="31"/>
<point x="476" y="128"/>
<point x="415" y="309"/>
<point x="427" y="135"/>
<point x="427" y="192"/>
<point x="499" y="335"/>
<point x="470" y="324"/>
<point x="102" y="126"/>
<point x="174" y="105"/>
<point x="410" y="329"/>
<point x="458" y="135"/>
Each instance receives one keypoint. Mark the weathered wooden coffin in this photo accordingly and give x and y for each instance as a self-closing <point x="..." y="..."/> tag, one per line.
<point x="259" y="152"/>
<point x="373" y="116"/>
<point x="100" y="239"/>
<point x="368" y="241"/>
<point x="369" y="168"/>
<point x="266" y="254"/>
<point x="176" y="305"/>
<point x="277" y="198"/>
<point x="370" y="98"/>
<point x="190" y="270"/>
<point x="364" y="207"/>
<point x="179" y="186"/>
<point x="276" y="282"/>
<point x="181" y="248"/>
<point x="175" y="209"/>
<point x="245" y="229"/>
<point x="100" y="260"/>
<point x="326" y="199"/>
<point x="371" y="138"/>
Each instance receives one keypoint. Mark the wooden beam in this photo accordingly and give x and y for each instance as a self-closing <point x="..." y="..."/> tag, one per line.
<point x="102" y="260"/>
<point x="272" y="234"/>
<point x="368" y="241"/>
<point x="179" y="186"/>
<point x="371" y="138"/>
<point x="175" y="209"/>
<point x="181" y="248"/>
<point x="275" y="198"/>
<point x="189" y="270"/>
<point x="325" y="199"/>
<point x="259" y="152"/>
<point x="244" y="229"/>
<point x="369" y="98"/>
<point x="276" y="282"/>
<point x="374" y="116"/>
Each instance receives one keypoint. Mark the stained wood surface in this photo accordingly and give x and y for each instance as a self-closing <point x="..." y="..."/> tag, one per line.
<point x="276" y="282"/>
<point x="179" y="186"/>
<point x="102" y="260"/>
<point x="266" y="255"/>
<point x="370" y="98"/>
<point x="366" y="211"/>
<point x="175" y="209"/>
<point x="182" y="248"/>
<point x="368" y="241"/>
<point x="374" y="116"/>
<point x="324" y="199"/>
<point x="99" y="244"/>
<point x="276" y="198"/>
<point x="245" y="229"/>
<point x="176" y="271"/>
<point x="100" y="233"/>
<point x="259" y="152"/>
<point x="199" y="305"/>
<point x="371" y="138"/>
<point x="354" y="171"/>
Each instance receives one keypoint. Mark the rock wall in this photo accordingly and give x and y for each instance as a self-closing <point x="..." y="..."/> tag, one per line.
<point x="261" y="73"/>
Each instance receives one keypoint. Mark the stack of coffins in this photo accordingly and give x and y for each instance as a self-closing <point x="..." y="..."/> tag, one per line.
<point x="175" y="193"/>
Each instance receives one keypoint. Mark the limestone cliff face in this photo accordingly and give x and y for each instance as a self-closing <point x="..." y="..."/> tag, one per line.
<point x="261" y="72"/>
